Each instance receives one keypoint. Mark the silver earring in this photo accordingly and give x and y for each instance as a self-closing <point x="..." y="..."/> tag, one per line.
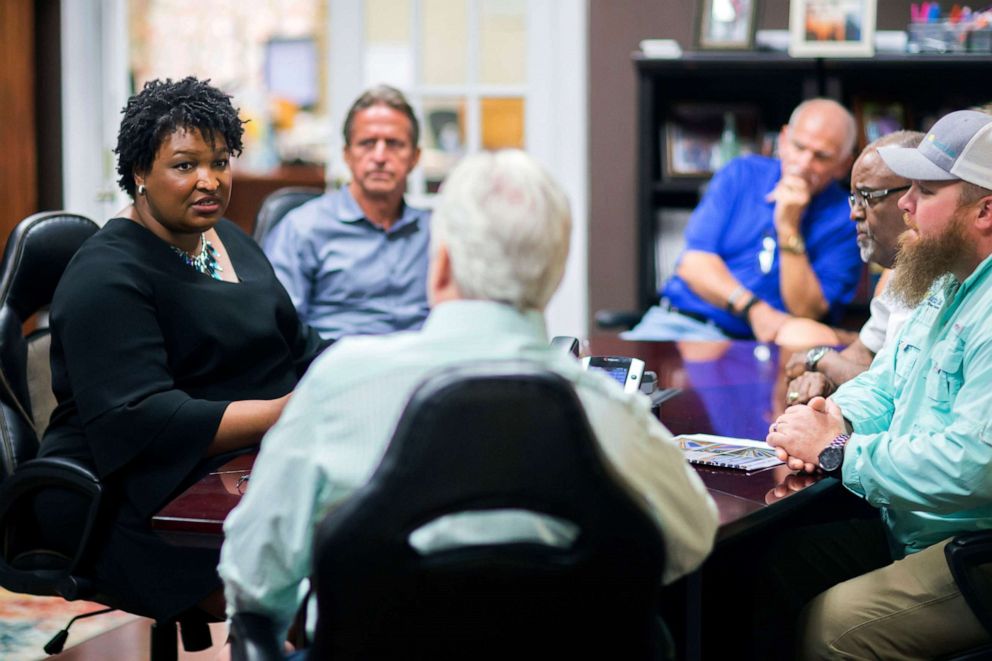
<point x="141" y="189"/>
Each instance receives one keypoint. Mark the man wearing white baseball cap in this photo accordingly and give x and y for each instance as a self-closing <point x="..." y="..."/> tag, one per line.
<point x="912" y="435"/>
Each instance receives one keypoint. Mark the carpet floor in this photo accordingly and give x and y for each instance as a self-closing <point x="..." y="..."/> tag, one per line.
<point x="27" y="623"/>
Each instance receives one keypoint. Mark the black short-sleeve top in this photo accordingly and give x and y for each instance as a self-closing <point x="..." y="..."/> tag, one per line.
<point x="147" y="353"/>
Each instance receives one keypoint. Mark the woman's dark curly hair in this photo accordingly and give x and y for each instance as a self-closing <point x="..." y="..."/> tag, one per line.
<point x="159" y="109"/>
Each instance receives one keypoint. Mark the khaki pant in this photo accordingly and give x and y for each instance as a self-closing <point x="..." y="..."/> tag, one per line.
<point x="911" y="609"/>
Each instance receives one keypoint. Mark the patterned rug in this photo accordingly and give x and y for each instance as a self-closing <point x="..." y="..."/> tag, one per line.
<point x="27" y="623"/>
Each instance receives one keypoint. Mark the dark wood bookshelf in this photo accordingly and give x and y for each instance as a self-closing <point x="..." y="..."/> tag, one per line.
<point x="925" y="86"/>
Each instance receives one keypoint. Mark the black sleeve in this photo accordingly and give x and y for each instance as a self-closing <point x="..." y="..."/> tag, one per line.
<point x="307" y="347"/>
<point x="139" y="426"/>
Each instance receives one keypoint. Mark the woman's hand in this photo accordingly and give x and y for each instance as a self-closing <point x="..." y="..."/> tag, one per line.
<point x="245" y="422"/>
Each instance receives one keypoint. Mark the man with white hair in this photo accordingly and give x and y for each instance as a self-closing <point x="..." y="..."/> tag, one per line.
<point x="499" y="243"/>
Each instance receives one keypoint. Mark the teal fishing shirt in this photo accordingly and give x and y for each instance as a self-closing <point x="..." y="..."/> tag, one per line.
<point x="921" y="450"/>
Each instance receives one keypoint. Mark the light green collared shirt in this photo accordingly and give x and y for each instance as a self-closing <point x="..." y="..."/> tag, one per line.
<point x="338" y="423"/>
<point x="922" y="417"/>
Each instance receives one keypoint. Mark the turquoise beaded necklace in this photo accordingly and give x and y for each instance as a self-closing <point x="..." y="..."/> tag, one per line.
<point x="205" y="262"/>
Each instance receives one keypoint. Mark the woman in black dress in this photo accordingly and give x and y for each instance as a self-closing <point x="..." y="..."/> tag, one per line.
<point x="172" y="342"/>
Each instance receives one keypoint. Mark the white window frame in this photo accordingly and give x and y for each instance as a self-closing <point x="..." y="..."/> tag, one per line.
<point x="94" y="89"/>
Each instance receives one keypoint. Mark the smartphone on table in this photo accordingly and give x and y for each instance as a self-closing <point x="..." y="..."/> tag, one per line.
<point x="628" y="372"/>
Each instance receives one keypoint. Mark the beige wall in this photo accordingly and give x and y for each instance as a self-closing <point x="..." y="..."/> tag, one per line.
<point x="615" y="29"/>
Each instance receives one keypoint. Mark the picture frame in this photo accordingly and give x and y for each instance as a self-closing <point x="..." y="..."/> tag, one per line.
<point x="832" y="28"/>
<point x="726" y="24"/>
<point x="694" y="135"/>
<point x="291" y="70"/>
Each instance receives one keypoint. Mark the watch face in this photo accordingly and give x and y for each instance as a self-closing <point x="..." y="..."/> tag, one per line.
<point x="831" y="459"/>
<point x="813" y="356"/>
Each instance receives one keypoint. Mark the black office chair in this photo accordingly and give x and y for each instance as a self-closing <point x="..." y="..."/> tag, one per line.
<point x="36" y="254"/>
<point x="969" y="557"/>
<point x="277" y="204"/>
<point x="507" y="436"/>
<point x="32" y="560"/>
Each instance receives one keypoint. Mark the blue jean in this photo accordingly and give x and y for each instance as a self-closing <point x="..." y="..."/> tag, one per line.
<point x="659" y="324"/>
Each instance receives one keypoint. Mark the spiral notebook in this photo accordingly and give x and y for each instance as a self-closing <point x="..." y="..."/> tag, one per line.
<point x="726" y="452"/>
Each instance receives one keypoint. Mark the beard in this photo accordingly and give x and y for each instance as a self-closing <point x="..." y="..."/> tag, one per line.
<point x="921" y="261"/>
<point x="866" y="246"/>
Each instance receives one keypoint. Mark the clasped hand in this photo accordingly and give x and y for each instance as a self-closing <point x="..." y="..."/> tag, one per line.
<point x="803" y="431"/>
<point x="791" y="197"/>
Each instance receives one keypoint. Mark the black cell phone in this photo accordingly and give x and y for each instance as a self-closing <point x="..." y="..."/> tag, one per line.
<point x="628" y="372"/>
<point x="566" y="344"/>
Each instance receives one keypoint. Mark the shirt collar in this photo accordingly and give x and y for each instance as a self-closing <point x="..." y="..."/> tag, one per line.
<point x="350" y="212"/>
<point x="978" y="275"/>
<point x="488" y="317"/>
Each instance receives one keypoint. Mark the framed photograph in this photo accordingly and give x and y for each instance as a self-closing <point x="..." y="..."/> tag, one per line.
<point x="726" y="24"/>
<point x="699" y="138"/>
<point x="832" y="28"/>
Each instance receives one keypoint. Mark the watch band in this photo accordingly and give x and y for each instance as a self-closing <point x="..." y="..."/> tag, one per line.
<point x="734" y="295"/>
<point x="794" y="245"/>
<point x="839" y="441"/>
<point x="747" y="307"/>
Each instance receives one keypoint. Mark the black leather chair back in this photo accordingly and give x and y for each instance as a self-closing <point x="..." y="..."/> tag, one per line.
<point x="278" y="203"/>
<point x="489" y="437"/>
<point x="37" y="252"/>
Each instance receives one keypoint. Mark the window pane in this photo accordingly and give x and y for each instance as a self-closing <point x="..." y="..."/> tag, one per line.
<point x="443" y="138"/>
<point x="443" y="42"/>
<point x="388" y="56"/>
<point x="503" y="32"/>
<point x="503" y="123"/>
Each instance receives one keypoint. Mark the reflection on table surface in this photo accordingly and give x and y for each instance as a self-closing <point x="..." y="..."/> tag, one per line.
<point x="731" y="388"/>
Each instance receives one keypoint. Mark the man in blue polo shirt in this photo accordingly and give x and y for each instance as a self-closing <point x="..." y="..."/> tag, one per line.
<point x="354" y="261"/>
<point x="770" y="239"/>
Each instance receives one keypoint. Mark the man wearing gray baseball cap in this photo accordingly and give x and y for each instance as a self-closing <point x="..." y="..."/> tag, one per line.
<point x="912" y="435"/>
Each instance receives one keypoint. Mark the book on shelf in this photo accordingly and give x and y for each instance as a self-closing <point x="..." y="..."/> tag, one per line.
<point x="726" y="452"/>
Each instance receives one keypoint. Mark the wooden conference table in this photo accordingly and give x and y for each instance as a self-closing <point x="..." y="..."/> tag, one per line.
<point x="731" y="388"/>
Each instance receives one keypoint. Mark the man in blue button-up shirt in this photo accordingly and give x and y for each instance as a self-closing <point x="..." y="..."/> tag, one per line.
<point x="354" y="260"/>
<point x="912" y="435"/>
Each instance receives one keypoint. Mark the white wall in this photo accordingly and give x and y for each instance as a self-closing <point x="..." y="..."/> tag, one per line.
<point x="557" y="132"/>
<point x="94" y="89"/>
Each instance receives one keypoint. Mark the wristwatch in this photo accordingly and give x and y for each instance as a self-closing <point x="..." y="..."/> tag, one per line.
<point x="832" y="457"/>
<point x="751" y="302"/>
<point x="813" y="357"/>
<point x="793" y="245"/>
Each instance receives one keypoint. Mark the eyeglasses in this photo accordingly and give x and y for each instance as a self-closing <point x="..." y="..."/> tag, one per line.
<point x="864" y="198"/>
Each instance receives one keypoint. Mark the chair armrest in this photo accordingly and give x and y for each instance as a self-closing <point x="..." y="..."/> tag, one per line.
<point x="254" y="638"/>
<point x="54" y="574"/>
<point x="967" y="555"/>
<point x="609" y="319"/>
